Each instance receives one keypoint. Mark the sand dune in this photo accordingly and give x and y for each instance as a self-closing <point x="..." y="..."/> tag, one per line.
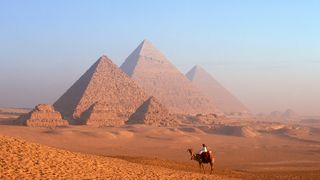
<point x="246" y="150"/>
<point x="229" y="130"/>
<point x="20" y="160"/>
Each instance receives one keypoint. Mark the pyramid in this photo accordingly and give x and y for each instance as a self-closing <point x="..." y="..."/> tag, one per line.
<point x="43" y="115"/>
<point x="152" y="112"/>
<point x="103" y="82"/>
<point x="151" y="70"/>
<point x="103" y="115"/>
<point x="224" y="100"/>
<point x="289" y="113"/>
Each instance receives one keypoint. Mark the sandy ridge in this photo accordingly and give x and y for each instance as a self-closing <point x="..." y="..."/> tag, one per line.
<point x="22" y="159"/>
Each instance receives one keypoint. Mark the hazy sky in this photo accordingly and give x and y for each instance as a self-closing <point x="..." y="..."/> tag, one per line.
<point x="267" y="53"/>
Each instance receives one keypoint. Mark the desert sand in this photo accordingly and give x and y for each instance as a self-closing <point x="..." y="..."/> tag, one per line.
<point x="24" y="160"/>
<point x="249" y="150"/>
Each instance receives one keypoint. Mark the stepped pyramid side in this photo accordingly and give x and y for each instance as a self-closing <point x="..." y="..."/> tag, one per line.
<point x="152" y="112"/>
<point x="43" y="115"/>
<point x="224" y="100"/>
<point x="150" y="69"/>
<point x="103" y="82"/>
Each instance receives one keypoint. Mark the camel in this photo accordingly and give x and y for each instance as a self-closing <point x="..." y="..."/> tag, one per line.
<point x="198" y="158"/>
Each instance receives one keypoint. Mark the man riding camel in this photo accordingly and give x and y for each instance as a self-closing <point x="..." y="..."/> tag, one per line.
<point x="203" y="157"/>
<point x="204" y="153"/>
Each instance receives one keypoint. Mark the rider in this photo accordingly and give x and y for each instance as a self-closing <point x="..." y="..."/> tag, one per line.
<point x="203" y="149"/>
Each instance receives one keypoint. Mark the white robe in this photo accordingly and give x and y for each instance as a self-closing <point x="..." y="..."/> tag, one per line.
<point x="203" y="149"/>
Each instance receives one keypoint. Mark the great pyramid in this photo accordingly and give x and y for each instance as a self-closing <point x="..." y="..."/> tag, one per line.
<point x="224" y="100"/>
<point x="43" y="115"/>
<point x="105" y="83"/>
<point x="152" y="112"/>
<point x="158" y="77"/>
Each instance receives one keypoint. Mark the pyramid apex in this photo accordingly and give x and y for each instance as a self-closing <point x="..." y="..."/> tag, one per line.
<point x="197" y="67"/>
<point x="145" y="40"/>
<point x="104" y="57"/>
<point x="193" y="71"/>
<point x="146" y="51"/>
<point x="145" y="43"/>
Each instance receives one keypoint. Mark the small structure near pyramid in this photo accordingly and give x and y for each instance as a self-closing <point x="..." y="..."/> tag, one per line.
<point x="277" y="116"/>
<point x="103" y="82"/>
<point x="212" y="89"/>
<point x="43" y="115"/>
<point x="103" y="115"/>
<point x="152" y="112"/>
<point x="151" y="70"/>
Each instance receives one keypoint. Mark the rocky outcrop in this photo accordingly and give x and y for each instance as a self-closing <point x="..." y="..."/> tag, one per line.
<point x="206" y="118"/>
<point x="152" y="112"/>
<point x="43" y="115"/>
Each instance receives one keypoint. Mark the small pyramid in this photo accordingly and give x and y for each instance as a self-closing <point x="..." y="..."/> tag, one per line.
<point x="151" y="70"/>
<point x="43" y="115"/>
<point x="152" y="112"/>
<point x="103" y="115"/>
<point x="210" y="87"/>
<point x="102" y="82"/>
<point x="289" y="113"/>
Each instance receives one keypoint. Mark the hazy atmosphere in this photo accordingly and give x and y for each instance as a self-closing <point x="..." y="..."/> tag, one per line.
<point x="265" y="53"/>
<point x="141" y="89"/>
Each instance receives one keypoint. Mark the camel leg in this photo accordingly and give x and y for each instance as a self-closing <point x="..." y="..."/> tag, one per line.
<point x="211" y="165"/>
<point x="203" y="169"/>
<point x="200" y="167"/>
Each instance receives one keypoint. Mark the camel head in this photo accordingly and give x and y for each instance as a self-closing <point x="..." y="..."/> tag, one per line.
<point x="191" y="153"/>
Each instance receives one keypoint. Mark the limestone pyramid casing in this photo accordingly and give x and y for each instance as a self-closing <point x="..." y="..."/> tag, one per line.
<point x="223" y="99"/>
<point x="151" y="70"/>
<point x="152" y="112"/>
<point x="43" y="115"/>
<point x="102" y="82"/>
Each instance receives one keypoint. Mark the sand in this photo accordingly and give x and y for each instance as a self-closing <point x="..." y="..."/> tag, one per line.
<point x="23" y="160"/>
<point x="276" y="151"/>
